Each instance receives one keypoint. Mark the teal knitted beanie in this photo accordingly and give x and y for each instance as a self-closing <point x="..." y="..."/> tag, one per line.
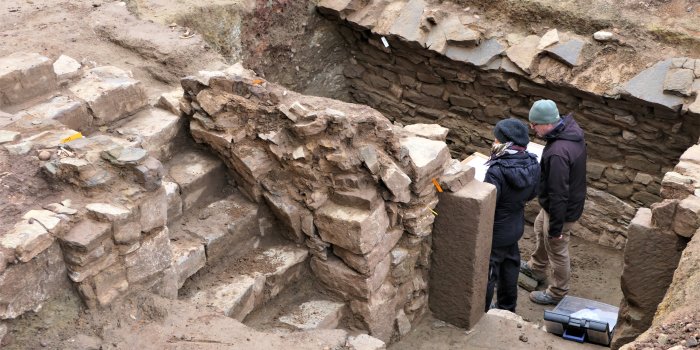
<point x="544" y="112"/>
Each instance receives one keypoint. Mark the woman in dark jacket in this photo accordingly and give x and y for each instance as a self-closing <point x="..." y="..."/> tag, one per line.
<point x="515" y="173"/>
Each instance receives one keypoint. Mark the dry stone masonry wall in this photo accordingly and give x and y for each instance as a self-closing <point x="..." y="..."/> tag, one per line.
<point x="342" y="179"/>
<point x="421" y="62"/>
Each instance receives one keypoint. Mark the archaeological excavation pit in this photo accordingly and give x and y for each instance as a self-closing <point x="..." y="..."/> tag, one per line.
<point x="260" y="174"/>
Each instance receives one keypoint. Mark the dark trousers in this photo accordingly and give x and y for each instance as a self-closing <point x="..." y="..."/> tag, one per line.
<point x="504" y="267"/>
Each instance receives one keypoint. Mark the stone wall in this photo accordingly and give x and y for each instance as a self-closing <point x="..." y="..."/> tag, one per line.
<point x="654" y="283"/>
<point x="342" y="179"/>
<point x="422" y="63"/>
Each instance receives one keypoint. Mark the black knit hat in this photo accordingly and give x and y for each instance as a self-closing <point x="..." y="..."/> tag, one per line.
<point x="512" y="130"/>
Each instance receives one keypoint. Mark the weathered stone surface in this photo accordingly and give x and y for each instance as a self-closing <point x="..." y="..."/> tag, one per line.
<point x="679" y="81"/>
<point x="365" y="342"/>
<point x="170" y="101"/>
<point x="288" y="264"/>
<point x="648" y="86"/>
<point x="66" y="68"/>
<point x="69" y="112"/>
<point x="353" y="229"/>
<point x="235" y="297"/>
<point x="457" y="33"/>
<point x="315" y="314"/>
<point x="78" y="258"/>
<point x="479" y="56"/>
<point x="662" y="213"/>
<point x="651" y="256"/>
<point x="125" y="156"/>
<point x="461" y="248"/>
<point x="677" y="186"/>
<point x="526" y="282"/>
<point x="377" y="314"/>
<point x="687" y="216"/>
<point x="408" y="23"/>
<point x="396" y="181"/>
<point x="7" y="136"/>
<point x="110" y="283"/>
<point x="81" y="273"/>
<point x="568" y="52"/>
<point x="154" y="210"/>
<point x="457" y="175"/>
<point x="428" y="131"/>
<point x="24" y="76"/>
<point x="290" y="213"/>
<point x="25" y="286"/>
<point x="188" y="257"/>
<point x="154" y="129"/>
<point x="229" y="228"/>
<point x="366" y="198"/>
<point x="339" y="278"/>
<point x="172" y="195"/>
<point x="548" y="39"/>
<point x="366" y="264"/>
<point x="427" y="158"/>
<point x="87" y="235"/>
<point x="154" y="256"/>
<point x="201" y="177"/>
<point x="523" y="54"/>
<point x="32" y="235"/>
<point x="108" y="212"/>
<point x="111" y="94"/>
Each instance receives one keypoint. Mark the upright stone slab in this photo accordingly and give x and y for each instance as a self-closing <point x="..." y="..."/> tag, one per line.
<point x="651" y="257"/>
<point x="461" y="249"/>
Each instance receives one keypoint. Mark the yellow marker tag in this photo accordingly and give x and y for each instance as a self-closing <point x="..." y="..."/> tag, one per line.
<point x="437" y="185"/>
<point x="72" y="137"/>
<point x="258" y="81"/>
<point x="433" y="211"/>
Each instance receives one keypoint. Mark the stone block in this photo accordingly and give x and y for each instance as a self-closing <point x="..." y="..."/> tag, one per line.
<point x="26" y="286"/>
<point x="188" y="258"/>
<point x="524" y="53"/>
<point x="648" y="86"/>
<point x="377" y="314"/>
<point x="66" y="68"/>
<point x="86" y="235"/>
<point x="460" y="258"/>
<point x="687" y="216"/>
<point x="81" y="273"/>
<point x="287" y="264"/>
<point x="340" y="279"/>
<point x="170" y="101"/>
<point x="479" y="56"/>
<point x="457" y="175"/>
<point x="154" y="255"/>
<point x="77" y="258"/>
<point x="201" y="177"/>
<point x="407" y="24"/>
<point x="457" y="33"/>
<point x="110" y="93"/>
<point x="677" y="186"/>
<point x="662" y="213"/>
<point x="172" y="195"/>
<point x="315" y="314"/>
<point x="29" y="238"/>
<point x="365" y="264"/>
<point x="7" y="136"/>
<point x="396" y="181"/>
<point x="108" y="212"/>
<point x="526" y="282"/>
<point x="127" y="231"/>
<point x="429" y="131"/>
<point x="24" y="76"/>
<point x="427" y="158"/>
<point x="290" y="213"/>
<point x="153" y="210"/>
<point x="229" y="228"/>
<point x="235" y="297"/>
<point x="149" y="173"/>
<point x="110" y="283"/>
<point x="366" y="198"/>
<point x="679" y="81"/>
<point x="568" y="52"/>
<point x="365" y="342"/>
<point x="353" y="229"/>
<point x="71" y="113"/>
<point x="154" y="129"/>
<point x="251" y="162"/>
<point x="651" y="257"/>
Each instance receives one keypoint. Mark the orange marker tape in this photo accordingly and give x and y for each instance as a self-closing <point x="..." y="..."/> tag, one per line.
<point x="437" y="185"/>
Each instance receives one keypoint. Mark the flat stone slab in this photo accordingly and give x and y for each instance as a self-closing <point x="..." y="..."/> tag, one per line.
<point x="365" y="342"/>
<point x="523" y="54"/>
<point x="679" y="81"/>
<point x="649" y="86"/>
<point x="286" y="264"/>
<point x="188" y="258"/>
<point x="353" y="229"/>
<point x="111" y="94"/>
<point x="201" y="176"/>
<point x="155" y="129"/>
<point x="24" y="76"/>
<point x="428" y="131"/>
<point x="315" y="314"/>
<point x="27" y="240"/>
<point x="7" y="136"/>
<point x="479" y="56"/>
<point x="66" y="67"/>
<point x="568" y="52"/>
<point x="408" y="23"/>
<point x="234" y="298"/>
<point x="67" y="111"/>
<point x="426" y="156"/>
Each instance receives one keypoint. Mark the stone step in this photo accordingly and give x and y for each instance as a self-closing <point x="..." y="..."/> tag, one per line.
<point x="24" y="76"/>
<point x="188" y="257"/>
<point x="59" y="109"/>
<point x="200" y="175"/>
<point x="154" y="130"/>
<point x="315" y="314"/>
<point x="227" y="228"/>
<point x="237" y="288"/>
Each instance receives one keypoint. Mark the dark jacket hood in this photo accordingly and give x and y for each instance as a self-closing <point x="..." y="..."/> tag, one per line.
<point x="568" y="129"/>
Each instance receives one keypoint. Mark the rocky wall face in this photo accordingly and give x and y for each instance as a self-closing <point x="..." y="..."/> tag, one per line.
<point x="341" y="178"/>
<point x="419" y="63"/>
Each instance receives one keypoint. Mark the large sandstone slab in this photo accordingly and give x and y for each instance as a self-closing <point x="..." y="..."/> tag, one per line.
<point x="69" y="112"/>
<point x="341" y="279"/>
<point x="287" y="264"/>
<point x="290" y="213"/>
<point x="651" y="257"/>
<point x="649" y="86"/>
<point x="377" y="314"/>
<point x="111" y="94"/>
<point x="25" y="286"/>
<point x="188" y="258"/>
<point x="366" y="264"/>
<point x="155" y="129"/>
<point x="235" y="298"/>
<point x="524" y="53"/>
<point x="427" y="158"/>
<point x="353" y="229"/>
<point x="154" y="255"/>
<point x="24" y="76"/>
<point x="201" y="177"/>
<point x="315" y="314"/>
<point x="479" y="56"/>
<point x="27" y="240"/>
<point x="461" y="249"/>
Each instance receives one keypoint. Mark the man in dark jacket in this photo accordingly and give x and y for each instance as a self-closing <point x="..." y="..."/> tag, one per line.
<point x="515" y="173"/>
<point x="562" y="194"/>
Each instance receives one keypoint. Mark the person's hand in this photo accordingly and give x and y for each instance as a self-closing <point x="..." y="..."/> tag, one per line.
<point x="556" y="237"/>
